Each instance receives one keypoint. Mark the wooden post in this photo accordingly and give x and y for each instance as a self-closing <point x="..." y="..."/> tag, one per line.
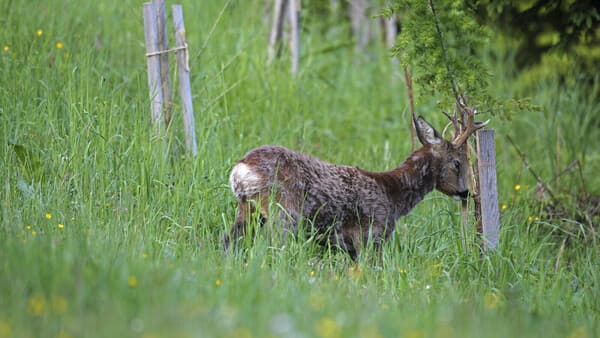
<point x="488" y="187"/>
<point x="391" y="32"/>
<point x="184" y="80"/>
<point x="295" y="34"/>
<point x="153" y="62"/>
<point x="266" y="12"/>
<point x="359" y="23"/>
<point x="163" y="45"/>
<point x="276" y="30"/>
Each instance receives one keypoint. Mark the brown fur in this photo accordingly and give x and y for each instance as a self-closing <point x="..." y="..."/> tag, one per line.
<point x="346" y="204"/>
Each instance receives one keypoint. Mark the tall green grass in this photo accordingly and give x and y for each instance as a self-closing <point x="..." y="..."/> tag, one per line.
<point x="102" y="235"/>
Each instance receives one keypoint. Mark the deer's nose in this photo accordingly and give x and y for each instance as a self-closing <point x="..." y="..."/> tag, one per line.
<point x="463" y="194"/>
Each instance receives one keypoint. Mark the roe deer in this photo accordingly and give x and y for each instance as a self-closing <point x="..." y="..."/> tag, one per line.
<point x="346" y="204"/>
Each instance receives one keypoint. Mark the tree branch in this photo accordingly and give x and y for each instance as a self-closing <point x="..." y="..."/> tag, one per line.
<point x="445" y="51"/>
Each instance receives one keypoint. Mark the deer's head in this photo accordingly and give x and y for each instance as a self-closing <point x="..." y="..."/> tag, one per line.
<point x="451" y="171"/>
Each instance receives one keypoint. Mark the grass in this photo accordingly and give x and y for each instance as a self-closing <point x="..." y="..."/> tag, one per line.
<point x="104" y="236"/>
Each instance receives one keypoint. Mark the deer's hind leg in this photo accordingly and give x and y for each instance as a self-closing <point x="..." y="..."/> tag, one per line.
<point x="284" y="217"/>
<point x="239" y="228"/>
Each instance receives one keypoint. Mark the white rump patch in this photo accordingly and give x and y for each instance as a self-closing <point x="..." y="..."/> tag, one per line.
<point x="244" y="181"/>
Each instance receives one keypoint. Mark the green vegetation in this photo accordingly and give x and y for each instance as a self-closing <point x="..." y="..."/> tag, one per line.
<point x="101" y="235"/>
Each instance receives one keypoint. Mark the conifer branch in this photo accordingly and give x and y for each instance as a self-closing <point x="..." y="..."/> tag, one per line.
<point x="446" y="58"/>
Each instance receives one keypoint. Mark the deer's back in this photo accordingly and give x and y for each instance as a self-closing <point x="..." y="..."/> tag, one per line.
<point x="323" y="192"/>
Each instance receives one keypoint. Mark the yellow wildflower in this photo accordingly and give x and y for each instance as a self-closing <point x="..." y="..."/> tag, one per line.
<point x="355" y="272"/>
<point x="218" y="282"/>
<point x="328" y="328"/>
<point x="59" y="305"/>
<point x="504" y="206"/>
<point x="28" y="227"/>
<point x="491" y="300"/>
<point x="6" y="49"/>
<point x="312" y="273"/>
<point x="33" y="232"/>
<point x="61" y="226"/>
<point x="132" y="281"/>
<point x="36" y="305"/>
<point x="517" y="187"/>
<point x="59" y="45"/>
<point x="5" y="329"/>
<point x="48" y="215"/>
<point x="39" y="32"/>
<point x="530" y="218"/>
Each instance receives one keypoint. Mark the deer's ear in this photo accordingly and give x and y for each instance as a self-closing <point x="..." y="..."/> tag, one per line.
<point x="426" y="133"/>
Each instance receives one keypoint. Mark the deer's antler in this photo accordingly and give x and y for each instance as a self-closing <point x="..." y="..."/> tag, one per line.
<point x="467" y="126"/>
<point x="456" y="123"/>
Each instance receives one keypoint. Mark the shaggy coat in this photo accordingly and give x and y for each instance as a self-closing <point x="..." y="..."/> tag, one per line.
<point x="347" y="205"/>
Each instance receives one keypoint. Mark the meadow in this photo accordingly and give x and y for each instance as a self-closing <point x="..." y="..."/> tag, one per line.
<point x="103" y="235"/>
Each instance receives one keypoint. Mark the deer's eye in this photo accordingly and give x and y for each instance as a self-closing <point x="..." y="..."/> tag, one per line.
<point x="457" y="164"/>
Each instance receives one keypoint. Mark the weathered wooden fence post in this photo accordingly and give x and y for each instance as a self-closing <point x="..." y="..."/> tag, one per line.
<point x="279" y="14"/>
<point x="163" y="45"/>
<point x="391" y="32"/>
<point x="359" y="22"/>
<point x="276" y="30"/>
<point x="295" y="34"/>
<point x="488" y="187"/>
<point x="159" y="81"/>
<point x="184" y="80"/>
<point x="153" y="63"/>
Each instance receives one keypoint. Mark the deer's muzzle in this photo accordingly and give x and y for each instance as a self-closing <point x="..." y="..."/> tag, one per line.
<point x="463" y="195"/>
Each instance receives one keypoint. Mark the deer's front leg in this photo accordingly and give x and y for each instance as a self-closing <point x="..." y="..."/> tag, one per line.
<point x="348" y="238"/>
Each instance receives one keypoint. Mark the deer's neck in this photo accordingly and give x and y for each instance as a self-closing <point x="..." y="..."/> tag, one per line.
<point x="408" y="184"/>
